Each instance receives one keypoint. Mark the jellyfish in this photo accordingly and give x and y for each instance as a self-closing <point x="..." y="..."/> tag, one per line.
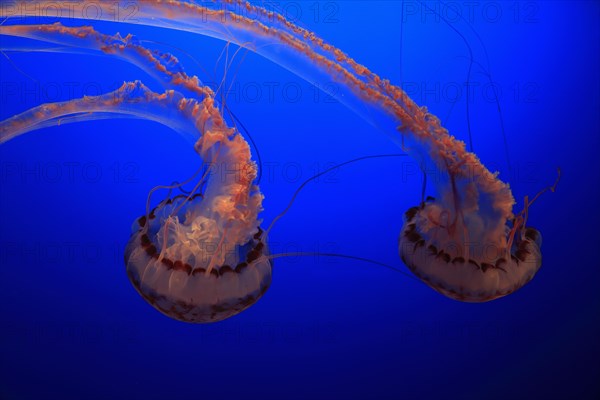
<point x="197" y="257"/>
<point x="466" y="243"/>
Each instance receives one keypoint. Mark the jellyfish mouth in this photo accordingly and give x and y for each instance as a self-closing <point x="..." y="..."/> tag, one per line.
<point x="466" y="271"/>
<point x="190" y="293"/>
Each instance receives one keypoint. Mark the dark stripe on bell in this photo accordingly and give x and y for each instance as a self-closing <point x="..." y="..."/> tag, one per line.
<point x="225" y="269"/>
<point x="240" y="267"/>
<point x="444" y="256"/>
<point x="411" y="212"/>
<point x="486" y="266"/>
<point x="412" y="236"/>
<point x="419" y="243"/>
<point x="472" y="262"/>
<point x="433" y="250"/>
<point x="458" y="260"/>
<point x="500" y="264"/>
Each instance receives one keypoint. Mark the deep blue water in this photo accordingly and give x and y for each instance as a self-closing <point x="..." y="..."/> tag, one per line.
<point x="73" y="327"/>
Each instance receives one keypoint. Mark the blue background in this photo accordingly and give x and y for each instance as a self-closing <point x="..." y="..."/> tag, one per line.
<point x="73" y="327"/>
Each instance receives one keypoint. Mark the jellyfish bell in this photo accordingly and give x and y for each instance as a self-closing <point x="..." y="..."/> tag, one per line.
<point x="200" y="258"/>
<point x="470" y="272"/>
<point x="468" y="245"/>
<point x="183" y="269"/>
